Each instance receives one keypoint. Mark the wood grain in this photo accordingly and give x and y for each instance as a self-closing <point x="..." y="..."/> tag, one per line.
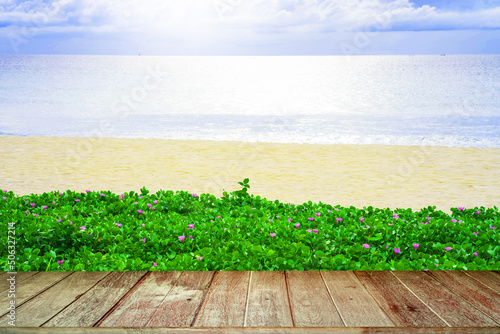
<point x="480" y="296"/>
<point x="38" y="310"/>
<point x="268" y="304"/>
<point x="30" y="287"/>
<point x="404" y="309"/>
<point x="257" y="330"/>
<point x="489" y="278"/>
<point x="310" y="302"/>
<point x="226" y="301"/>
<point x="140" y="305"/>
<point x="20" y="277"/>
<point x="446" y="304"/>
<point x="355" y="304"/>
<point x="87" y="310"/>
<point x="180" y="306"/>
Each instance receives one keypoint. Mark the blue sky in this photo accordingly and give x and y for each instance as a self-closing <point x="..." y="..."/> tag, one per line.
<point x="250" y="27"/>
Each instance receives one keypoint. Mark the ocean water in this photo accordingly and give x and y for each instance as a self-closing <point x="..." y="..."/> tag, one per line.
<point x="397" y="100"/>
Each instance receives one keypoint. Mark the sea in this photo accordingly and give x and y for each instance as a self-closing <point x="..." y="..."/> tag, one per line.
<point x="437" y="100"/>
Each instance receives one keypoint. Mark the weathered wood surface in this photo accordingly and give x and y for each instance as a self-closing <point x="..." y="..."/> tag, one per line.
<point x="87" y="310"/>
<point x="30" y="287"/>
<point x="256" y="330"/>
<point x="477" y="294"/>
<point x="356" y="305"/>
<point x="258" y="302"/>
<point x="37" y="311"/>
<point x="268" y="304"/>
<point x="180" y="306"/>
<point x="225" y="305"/>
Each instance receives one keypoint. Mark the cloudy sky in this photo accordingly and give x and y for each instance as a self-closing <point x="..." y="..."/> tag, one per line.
<point x="249" y="27"/>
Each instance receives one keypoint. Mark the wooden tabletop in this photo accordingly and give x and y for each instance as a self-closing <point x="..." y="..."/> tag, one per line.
<point x="253" y="302"/>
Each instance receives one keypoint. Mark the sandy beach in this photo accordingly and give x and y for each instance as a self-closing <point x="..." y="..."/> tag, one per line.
<point x="381" y="176"/>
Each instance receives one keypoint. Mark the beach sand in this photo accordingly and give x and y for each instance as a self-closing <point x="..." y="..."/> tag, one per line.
<point x="358" y="175"/>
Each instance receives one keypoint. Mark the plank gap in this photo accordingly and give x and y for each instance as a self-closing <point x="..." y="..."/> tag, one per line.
<point x="413" y="293"/>
<point x="156" y="311"/>
<point x="288" y="296"/>
<point x="119" y="301"/>
<point x="248" y="298"/>
<point x="331" y="297"/>
<point x="207" y="290"/>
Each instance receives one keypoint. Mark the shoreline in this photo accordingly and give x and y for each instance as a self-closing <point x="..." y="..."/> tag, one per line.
<point x="393" y="176"/>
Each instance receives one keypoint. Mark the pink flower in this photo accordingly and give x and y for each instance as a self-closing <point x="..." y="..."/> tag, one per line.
<point x="5" y="191"/>
<point x="140" y="211"/>
<point x="415" y="245"/>
<point x="478" y="212"/>
<point x="318" y="214"/>
<point x="366" y="246"/>
<point x="397" y="250"/>
<point x="362" y="219"/>
<point x="87" y="191"/>
<point x="58" y="220"/>
<point x="181" y="238"/>
<point x="475" y="253"/>
<point x="493" y="227"/>
<point x="77" y="200"/>
<point x="155" y="202"/>
<point x="311" y="219"/>
<point x="190" y="237"/>
<point x="448" y="248"/>
<point x="426" y="269"/>
<point x="136" y="203"/>
<point x="103" y="194"/>
<point x="461" y="208"/>
<point x="297" y="226"/>
<point x="143" y="240"/>
<point x="194" y="195"/>
<point x="460" y="221"/>
<point x="339" y="220"/>
<point x="154" y="264"/>
<point x="289" y="220"/>
<point x="149" y="206"/>
<point x="277" y="216"/>
<point x="32" y="205"/>
<point x="154" y="209"/>
<point x="428" y="218"/>
<point x="329" y="211"/>
<point x="122" y="196"/>
<point x="273" y="235"/>
<point x="387" y="247"/>
<point x="82" y="228"/>
<point x="118" y="224"/>
<point x="309" y="230"/>
<point x="140" y="196"/>
<point x="71" y="223"/>
<point x="425" y="223"/>
<point x="337" y="209"/>
<point x="217" y="217"/>
<point x="200" y="257"/>
<point x="53" y="202"/>
<point x="60" y="262"/>
<point x="315" y="231"/>
<point x="453" y="220"/>
<point x="191" y="226"/>
<point x="367" y="226"/>
<point x="44" y="207"/>
<point x="234" y="226"/>
<point x="436" y="264"/>
<point x="142" y="225"/>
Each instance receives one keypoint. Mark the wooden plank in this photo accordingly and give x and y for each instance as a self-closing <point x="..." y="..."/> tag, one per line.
<point x="226" y="301"/>
<point x="477" y="294"/>
<point x="87" y="310"/>
<point x="355" y="304"/>
<point x="180" y="306"/>
<point x="140" y="305"/>
<point x="452" y="309"/>
<point x="404" y="309"/>
<point x="489" y="278"/>
<point x="38" y="310"/>
<point x="310" y="303"/>
<point x="21" y="276"/>
<point x="268" y="304"/>
<point x="257" y="330"/>
<point x="30" y="287"/>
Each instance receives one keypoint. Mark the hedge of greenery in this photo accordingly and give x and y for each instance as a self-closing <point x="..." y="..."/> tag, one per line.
<point x="168" y="231"/>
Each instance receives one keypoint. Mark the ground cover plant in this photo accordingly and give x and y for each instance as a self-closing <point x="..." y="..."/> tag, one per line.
<point x="168" y="231"/>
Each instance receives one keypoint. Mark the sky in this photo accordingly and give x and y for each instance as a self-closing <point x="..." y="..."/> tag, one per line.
<point x="250" y="27"/>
